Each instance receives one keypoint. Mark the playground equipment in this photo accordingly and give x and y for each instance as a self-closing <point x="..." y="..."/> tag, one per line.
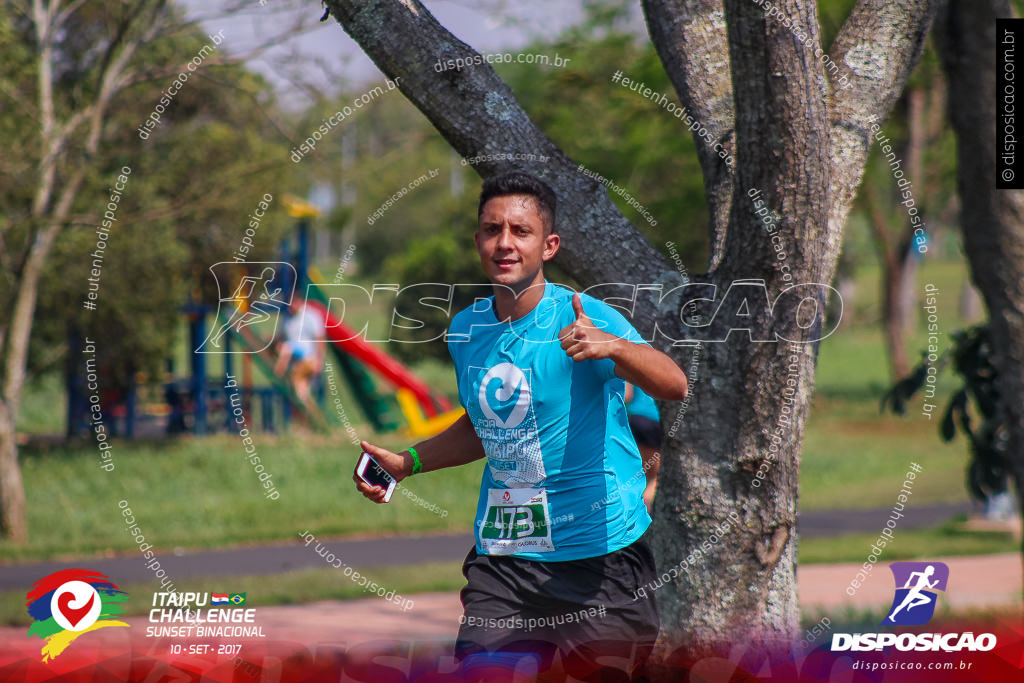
<point x="347" y="343"/>
<point x="385" y="390"/>
<point x="419" y="426"/>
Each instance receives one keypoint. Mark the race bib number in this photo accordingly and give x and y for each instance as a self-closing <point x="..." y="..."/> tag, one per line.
<point x="516" y="520"/>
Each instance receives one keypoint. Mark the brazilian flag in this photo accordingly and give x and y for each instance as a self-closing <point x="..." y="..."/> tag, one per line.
<point x="237" y="599"/>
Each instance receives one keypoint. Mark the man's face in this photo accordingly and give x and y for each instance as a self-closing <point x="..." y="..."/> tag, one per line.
<point x="511" y="241"/>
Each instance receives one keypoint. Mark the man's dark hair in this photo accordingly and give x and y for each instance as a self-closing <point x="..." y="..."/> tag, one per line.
<point x="518" y="182"/>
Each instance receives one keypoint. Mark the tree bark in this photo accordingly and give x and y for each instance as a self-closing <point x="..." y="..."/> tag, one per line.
<point x="879" y="43"/>
<point x="731" y="459"/>
<point x="803" y="147"/>
<point x="12" y="492"/>
<point x="991" y="220"/>
<point x="807" y="150"/>
<point x="691" y="41"/>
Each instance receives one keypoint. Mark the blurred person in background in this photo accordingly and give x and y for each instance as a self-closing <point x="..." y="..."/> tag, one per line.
<point x="302" y="350"/>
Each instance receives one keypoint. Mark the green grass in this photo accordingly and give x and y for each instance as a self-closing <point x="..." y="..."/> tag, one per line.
<point x="287" y="588"/>
<point x="855" y="457"/>
<point x="43" y="409"/>
<point x="203" y="493"/>
<point x="945" y="540"/>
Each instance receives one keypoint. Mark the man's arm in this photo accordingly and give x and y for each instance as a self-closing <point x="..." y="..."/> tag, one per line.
<point x="649" y="369"/>
<point x="638" y="364"/>
<point x="457" y="445"/>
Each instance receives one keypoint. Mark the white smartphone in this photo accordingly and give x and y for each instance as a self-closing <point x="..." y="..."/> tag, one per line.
<point x="373" y="474"/>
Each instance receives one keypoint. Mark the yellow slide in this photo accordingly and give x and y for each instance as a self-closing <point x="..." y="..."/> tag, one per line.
<point x="420" y="426"/>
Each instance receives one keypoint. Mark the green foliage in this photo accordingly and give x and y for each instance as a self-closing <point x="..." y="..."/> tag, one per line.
<point x="971" y="358"/>
<point x="949" y="539"/>
<point x="192" y="185"/>
<point x="627" y="138"/>
<point x="441" y="258"/>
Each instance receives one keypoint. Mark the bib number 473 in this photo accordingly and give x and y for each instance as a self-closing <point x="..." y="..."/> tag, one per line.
<point x="513" y="519"/>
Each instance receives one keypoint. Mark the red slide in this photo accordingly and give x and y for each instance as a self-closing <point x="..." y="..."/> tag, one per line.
<point x="345" y="338"/>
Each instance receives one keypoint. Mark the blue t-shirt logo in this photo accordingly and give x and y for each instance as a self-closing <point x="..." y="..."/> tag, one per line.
<point x="502" y="382"/>
<point x="504" y="418"/>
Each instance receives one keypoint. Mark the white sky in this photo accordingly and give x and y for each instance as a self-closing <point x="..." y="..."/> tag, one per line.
<point x="324" y="54"/>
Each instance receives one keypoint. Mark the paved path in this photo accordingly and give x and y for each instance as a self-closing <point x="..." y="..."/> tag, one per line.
<point x="975" y="582"/>
<point x="383" y="552"/>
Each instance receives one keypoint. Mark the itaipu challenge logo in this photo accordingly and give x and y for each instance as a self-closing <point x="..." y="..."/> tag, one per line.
<point x="69" y="603"/>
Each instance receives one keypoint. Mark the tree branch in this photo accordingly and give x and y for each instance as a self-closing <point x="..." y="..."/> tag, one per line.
<point x="782" y="148"/>
<point x="877" y="49"/>
<point x="478" y="114"/>
<point x="691" y="41"/>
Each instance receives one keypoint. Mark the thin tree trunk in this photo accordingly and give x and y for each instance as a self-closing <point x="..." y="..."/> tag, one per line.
<point x="895" y="314"/>
<point x="12" y="493"/>
<point x="893" y="324"/>
<point x="691" y="41"/>
<point x="12" y="505"/>
<point x="51" y="206"/>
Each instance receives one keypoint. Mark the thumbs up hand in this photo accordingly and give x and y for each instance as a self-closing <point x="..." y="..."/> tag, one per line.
<point x="581" y="340"/>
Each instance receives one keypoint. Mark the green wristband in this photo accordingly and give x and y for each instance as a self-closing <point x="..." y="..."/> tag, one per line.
<point x="417" y="466"/>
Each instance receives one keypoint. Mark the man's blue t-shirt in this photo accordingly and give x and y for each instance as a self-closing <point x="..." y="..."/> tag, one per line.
<point x="564" y="479"/>
<point x="642" y="405"/>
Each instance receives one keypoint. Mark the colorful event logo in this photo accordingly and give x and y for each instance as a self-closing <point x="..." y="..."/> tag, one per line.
<point x="917" y="584"/>
<point x="71" y="602"/>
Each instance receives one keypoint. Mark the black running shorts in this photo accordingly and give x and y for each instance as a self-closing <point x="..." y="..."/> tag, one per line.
<point x="585" y="610"/>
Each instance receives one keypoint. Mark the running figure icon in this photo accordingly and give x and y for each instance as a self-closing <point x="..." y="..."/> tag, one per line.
<point x="249" y="309"/>
<point x="916" y="597"/>
<point x="246" y="299"/>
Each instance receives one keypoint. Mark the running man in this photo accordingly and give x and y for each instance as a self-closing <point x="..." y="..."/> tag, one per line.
<point x="915" y="597"/>
<point x="542" y="374"/>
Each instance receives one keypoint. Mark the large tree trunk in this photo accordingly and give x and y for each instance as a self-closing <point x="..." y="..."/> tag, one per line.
<point x="720" y="462"/>
<point x="991" y="220"/>
<point x="749" y="415"/>
<point x="803" y="147"/>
